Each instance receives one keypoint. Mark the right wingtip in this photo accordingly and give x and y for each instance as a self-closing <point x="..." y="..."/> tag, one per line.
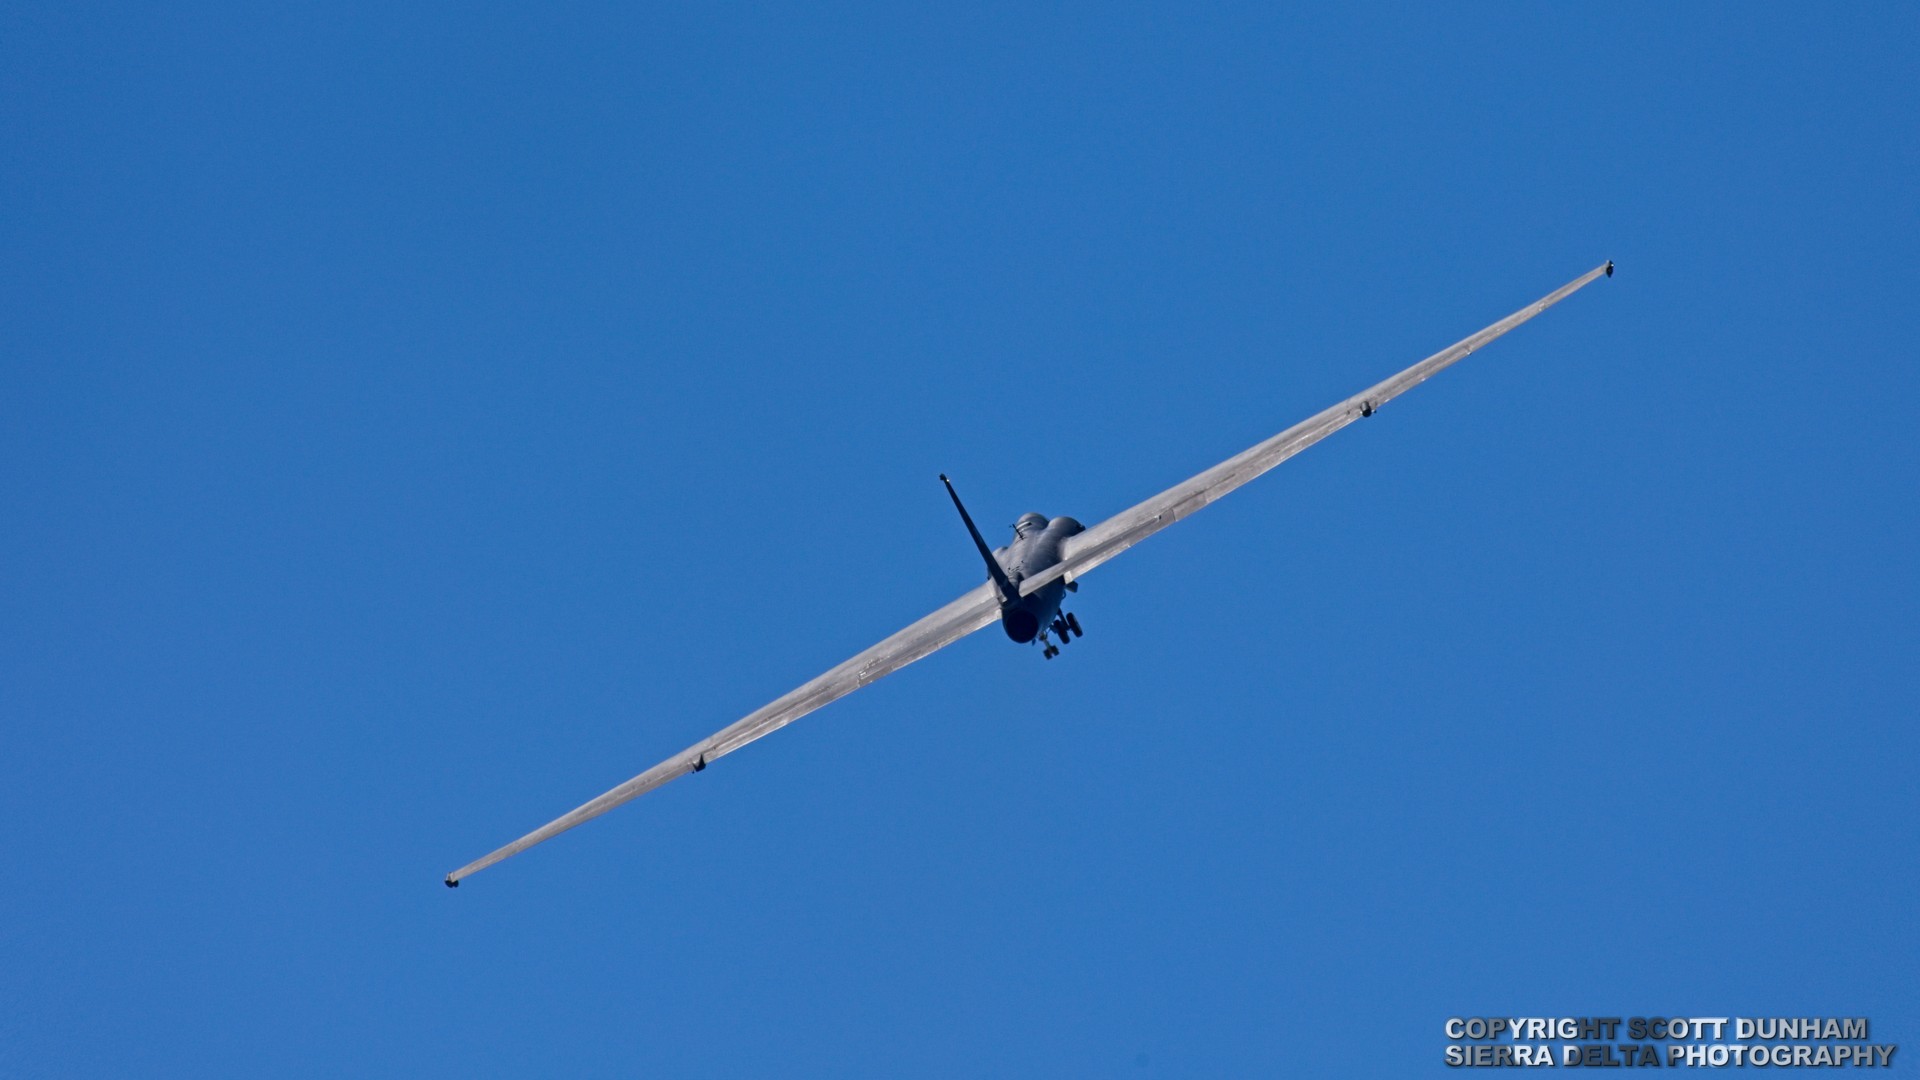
<point x="452" y="882"/>
<point x="1609" y="267"/>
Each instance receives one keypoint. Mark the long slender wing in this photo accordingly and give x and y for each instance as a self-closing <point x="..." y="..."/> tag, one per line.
<point x="1123" y="530"/>
<point x="970" y="612"/>
<point x="980" y="606"/>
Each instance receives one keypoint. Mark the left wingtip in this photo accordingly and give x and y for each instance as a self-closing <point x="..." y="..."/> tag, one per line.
<point x="1609" y="267"/>
<point x="452" y="882"/>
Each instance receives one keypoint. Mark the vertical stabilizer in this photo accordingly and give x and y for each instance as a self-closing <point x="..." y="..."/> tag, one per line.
<point x="1007" y="590"/>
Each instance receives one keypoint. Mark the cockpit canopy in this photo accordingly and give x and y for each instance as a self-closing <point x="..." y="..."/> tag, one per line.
<point x="1029" y="524"/>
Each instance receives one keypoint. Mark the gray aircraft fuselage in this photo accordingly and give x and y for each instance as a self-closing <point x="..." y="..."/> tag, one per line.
<point x="1036" y="546"/>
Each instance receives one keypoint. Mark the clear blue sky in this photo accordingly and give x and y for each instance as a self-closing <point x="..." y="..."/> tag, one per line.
<point x="412" y="424"/>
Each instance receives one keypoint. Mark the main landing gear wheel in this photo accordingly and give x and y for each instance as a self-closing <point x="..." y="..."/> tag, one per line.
<point x="1073" y="624"/>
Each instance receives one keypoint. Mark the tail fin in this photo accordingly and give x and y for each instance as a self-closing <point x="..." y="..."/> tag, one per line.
<point x="1000" y="580"/>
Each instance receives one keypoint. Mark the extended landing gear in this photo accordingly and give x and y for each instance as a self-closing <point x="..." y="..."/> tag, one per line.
<point x="1066" y="628"/>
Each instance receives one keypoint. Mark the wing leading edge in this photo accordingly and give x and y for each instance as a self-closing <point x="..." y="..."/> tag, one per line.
<point x="981" y="606"/>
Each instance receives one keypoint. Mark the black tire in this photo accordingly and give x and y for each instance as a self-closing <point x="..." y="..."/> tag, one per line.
<point x="1073" y="624"/>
